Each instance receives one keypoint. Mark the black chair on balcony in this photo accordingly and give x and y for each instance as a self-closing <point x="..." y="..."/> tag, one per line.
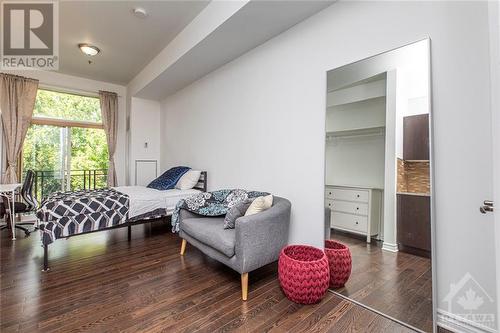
<point x="28" y="205"/>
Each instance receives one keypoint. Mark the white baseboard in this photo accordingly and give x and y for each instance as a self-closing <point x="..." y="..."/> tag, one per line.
<point x="390" y="247"/>
<point x="459" y="324"/>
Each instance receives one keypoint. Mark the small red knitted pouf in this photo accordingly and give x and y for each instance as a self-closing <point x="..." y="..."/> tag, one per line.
<point x="303" y="273"/>
<point x="339" y="258"/>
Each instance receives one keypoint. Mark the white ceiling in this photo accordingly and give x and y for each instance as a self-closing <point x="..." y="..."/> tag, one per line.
<point x="254" y="24"/>
<point x="127" y="43"/>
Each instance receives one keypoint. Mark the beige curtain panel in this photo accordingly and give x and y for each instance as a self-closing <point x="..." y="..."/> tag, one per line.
<point x="109" y="110"/>
<point x="17" y="100"/>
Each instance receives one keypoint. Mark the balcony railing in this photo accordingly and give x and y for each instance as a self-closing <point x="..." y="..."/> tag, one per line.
<point x="47" y="182"/>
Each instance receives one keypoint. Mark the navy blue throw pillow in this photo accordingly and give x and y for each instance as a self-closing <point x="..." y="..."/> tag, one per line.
<point x="169" y="178"/>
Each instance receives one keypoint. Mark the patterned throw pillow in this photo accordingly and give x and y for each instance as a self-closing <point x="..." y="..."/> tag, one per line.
<point x="169" y="178"/>
<point x="236" y="211"/>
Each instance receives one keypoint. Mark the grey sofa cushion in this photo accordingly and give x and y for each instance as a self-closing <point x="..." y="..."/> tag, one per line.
<point x="236" y="211"/>
<point x="258" y="238"/>
<point x="210" y="231"/>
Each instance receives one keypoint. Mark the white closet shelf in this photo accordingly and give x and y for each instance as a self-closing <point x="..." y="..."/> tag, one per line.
<point x="368" y="131"/>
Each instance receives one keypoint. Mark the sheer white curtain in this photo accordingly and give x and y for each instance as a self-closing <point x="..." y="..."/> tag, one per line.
<point x="109" y="110"/>
<point x="17" y="100"/>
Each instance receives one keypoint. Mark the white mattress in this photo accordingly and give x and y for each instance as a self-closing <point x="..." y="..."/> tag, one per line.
<point x="144" y="200"/>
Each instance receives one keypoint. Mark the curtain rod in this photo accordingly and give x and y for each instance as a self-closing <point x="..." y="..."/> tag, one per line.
<point x="19" y="77"/>
<point x="69" y="90"/>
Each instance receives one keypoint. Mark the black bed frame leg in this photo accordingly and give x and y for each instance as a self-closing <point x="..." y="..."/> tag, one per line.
<point x="129" y="232"/>
<point x="45" y="258"/>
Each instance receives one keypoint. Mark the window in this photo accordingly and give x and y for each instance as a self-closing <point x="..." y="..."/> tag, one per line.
<point x="66" y="144"/>
<point x="56" y="105"/>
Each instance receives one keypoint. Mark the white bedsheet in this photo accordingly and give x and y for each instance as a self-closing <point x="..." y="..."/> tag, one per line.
<point x="144" y="200"/>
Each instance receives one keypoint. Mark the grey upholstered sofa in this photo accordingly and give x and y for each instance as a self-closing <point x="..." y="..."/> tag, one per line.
<point x="256" y="240"/>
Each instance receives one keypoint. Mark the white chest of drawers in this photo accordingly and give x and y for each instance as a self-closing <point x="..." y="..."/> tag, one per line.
<point x="355" y="209"/>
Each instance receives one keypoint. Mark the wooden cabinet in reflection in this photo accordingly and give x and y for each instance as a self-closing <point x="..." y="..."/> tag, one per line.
<point x="416" y="137"/>
<point x="414" y="224"/>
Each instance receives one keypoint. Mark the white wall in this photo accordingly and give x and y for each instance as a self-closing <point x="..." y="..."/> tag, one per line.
<point x="356" y="160"/>
<point x="391" y="170"/>
<point x="76" y="84"/>
<point x="363" y="114"/>
<point x="259" y="121"/>
<point x="412" y="93"/>
<point x="144" y="128"/>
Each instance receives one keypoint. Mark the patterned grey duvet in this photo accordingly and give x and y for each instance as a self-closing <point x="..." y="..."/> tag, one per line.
<point x="64" y="214"/>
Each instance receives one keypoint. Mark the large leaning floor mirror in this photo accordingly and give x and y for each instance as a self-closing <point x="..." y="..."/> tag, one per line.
<point x="378" y="181"/>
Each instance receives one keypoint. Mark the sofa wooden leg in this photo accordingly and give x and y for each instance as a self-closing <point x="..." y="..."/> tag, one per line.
<point x="244" y="286"/>
<point x="183" y="247"/>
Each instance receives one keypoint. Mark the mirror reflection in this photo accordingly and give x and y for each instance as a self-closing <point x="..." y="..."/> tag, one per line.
<point x="378" y="182"/>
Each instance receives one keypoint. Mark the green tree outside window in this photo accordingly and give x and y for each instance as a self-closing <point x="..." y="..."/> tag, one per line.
<point x="46" y="147"/>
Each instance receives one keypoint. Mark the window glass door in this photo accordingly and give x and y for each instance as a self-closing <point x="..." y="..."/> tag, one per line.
<point x="45" y="152"/>
<point x="88" y="158"/>
<point x="66" y="145"/>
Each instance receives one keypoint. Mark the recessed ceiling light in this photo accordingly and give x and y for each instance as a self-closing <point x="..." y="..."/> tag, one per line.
<point x="89" y="50"/>
<point x="140" y="12"/>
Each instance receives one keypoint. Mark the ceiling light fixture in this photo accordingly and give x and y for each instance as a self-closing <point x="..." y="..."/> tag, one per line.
<point x="140" y="12"/>
<point x="89" y="50"/>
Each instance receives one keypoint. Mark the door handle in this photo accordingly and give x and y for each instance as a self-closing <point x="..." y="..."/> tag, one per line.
<point x="487" y="207"/>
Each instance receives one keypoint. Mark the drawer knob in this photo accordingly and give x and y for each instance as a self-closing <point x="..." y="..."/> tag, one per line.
<point x="357" y="208"/>
<point x="357" y="222"/>
<point x="357" y="196"/>
<point x="329" y="192"/>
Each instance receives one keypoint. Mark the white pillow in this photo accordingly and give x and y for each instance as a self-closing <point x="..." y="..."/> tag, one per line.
<point x="188" y="180"/>
<point x="260" y="204"/>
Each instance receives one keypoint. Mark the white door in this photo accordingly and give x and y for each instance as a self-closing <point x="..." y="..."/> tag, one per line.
<point x="472" y="293"/>
<point x="494" y="13"/>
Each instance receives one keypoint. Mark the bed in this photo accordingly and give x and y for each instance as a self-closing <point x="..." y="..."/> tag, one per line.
<point x="68" y="214"/>
<point x="148" y="203"/>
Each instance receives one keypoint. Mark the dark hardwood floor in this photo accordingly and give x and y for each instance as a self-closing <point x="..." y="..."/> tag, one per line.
<point x="102" y="283"/>
<point x="396" y="284"/>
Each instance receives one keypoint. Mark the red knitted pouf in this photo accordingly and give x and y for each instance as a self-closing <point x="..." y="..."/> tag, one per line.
<point x="303" y="273"/>
<point x="339" y="258"/>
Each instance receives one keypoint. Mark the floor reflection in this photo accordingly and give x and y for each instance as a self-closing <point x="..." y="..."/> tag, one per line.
<point x="397" y="284"/>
